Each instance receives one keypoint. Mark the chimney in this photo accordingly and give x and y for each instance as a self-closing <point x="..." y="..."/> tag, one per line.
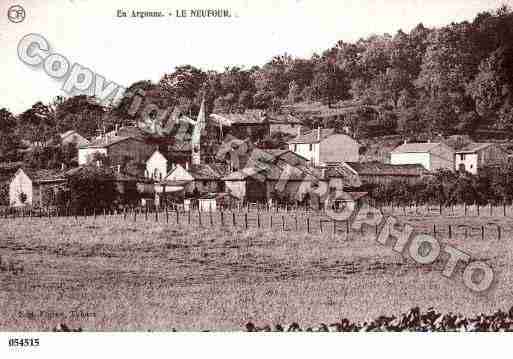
<point x="318" y="133"/>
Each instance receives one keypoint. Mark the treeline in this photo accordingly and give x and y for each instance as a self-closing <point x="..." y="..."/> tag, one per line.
<point x="454" y="79"/>
<point x="491" y="185"/>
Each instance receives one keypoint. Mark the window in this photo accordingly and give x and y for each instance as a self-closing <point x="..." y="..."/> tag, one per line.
<point x="462" y="157"/>
<point x="310" y="147"/>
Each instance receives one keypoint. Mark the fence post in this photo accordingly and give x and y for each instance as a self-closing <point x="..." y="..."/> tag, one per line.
<point x="283" y="223"/>
<point x="222" y="219"/>
<point x="246" y="220"/>
<point x="167" y="215"/>
<point x="146" y="213"/>
<point x="271" y="221"/>
<point x="334" y="227"/>
<point x="499" y="233"/>
<point x="124" y="213"/>
<point x="177" y="216"/>
<point x="465" y="208"/>
<point x="210" y="218"/>
<point x="504" y="208"/>
<point x="478" y="209"/>
<point x="156" y="214"/>
<point x="482" y="232"/>
<point x="199" y="217"/>
<point x="189" y="216"/>
<point x="233" y="219"/>
<point x="135" y="214"/>
<point x="434" y="230"/>
<point x="295" y="221"/>
<point x="320" y="225"/>
<point x="491" y="209"/>
<point x="450" y="231"/>
<point x="258" y="219"/>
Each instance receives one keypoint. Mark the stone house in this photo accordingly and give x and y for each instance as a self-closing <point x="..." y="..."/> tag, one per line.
<point x="477" y="155"/>
<point x="431" y="155"/>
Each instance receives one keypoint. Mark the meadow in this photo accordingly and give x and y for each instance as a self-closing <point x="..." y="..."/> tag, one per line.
<point x="117" y="273"/>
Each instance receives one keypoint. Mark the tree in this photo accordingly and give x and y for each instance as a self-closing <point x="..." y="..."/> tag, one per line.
<point x="92" y="187"/>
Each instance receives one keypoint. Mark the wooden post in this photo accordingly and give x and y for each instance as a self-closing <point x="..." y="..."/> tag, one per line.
<point x="124" y="213"/>
<point x="177" y="217"/>
<point x="295" y="220"/>
<point x="210" y="218"/>
<point x="146" y="214"/>
<point x="283" y="223"/>
<point x="271" y="221"/>
<point x="478" y="209"/>
<point x="504" y="208"/>
<point x="347" y="227"/>
<point x="246" y="220"/>
<point x="465" y="208"/>
<point x="135" y="214"/>
<point x="189" y="216"/>
<point x="307" y="224"/>
<point x="440" y="208"/>
<point x="450" y="231"/>
<point x="222" y="219"/>
<point x="482" y="233"/>
<point x="434" y="230"/>
<point x="167" y="215"/>
<point x="156" y="214"/>
<point x="320" y="225"/>
<point x="491" y="209"/>
<point x="258" y="219"/>
<point x="199" y="217"/>
<point x="334" y="227"/>
<point x="233" y="219"/>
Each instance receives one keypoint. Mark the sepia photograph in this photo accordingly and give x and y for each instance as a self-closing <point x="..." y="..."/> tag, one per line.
<point x="255" y="166"/>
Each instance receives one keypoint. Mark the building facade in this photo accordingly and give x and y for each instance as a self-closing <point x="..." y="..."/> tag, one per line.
<point x="477" y="155"/>
<point x="432" y="156"/>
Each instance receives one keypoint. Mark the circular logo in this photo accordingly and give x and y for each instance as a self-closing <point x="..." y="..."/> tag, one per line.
<point x="16" y="13"/>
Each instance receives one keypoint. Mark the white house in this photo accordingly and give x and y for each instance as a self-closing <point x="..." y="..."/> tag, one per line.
<point x="322" y="147"/>
<point x="156" y="166"/>
<point x="74" y="138"/>
<point x="476" y="155"/>
<point x="431" y="155"/>
<point x="30" y="188"/>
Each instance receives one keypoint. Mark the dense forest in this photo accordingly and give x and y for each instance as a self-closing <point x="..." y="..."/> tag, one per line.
<point x="457" y="79"/>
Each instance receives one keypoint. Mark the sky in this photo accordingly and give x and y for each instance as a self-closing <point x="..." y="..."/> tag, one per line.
<point x="126" y="50"/>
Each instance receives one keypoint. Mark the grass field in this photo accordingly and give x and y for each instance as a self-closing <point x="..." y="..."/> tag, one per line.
<point x="148" y="275"/>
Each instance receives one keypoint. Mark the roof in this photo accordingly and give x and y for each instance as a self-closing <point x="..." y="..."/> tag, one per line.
<point x="474" y="147"/>
<point x="311" y="136"/>
<point x="376" y="168"/>
<point x="39" y="176"/>
<point x="109" y="141"/>
<point x="247" y="118"/>
<point x="68" y="133"/>
<point x="284" y="119"/>
<point x="203" y="172"/>
<point x="416" y="147"/>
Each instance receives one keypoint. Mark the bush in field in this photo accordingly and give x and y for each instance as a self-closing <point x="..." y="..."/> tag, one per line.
<point x="92" y="187"/>
<point x="490" y="185"/>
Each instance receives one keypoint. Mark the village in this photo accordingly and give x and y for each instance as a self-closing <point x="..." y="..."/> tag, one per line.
<point x="314" y="164"/>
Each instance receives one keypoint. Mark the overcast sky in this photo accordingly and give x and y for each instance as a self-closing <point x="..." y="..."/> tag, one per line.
<point x="125" y="50"/>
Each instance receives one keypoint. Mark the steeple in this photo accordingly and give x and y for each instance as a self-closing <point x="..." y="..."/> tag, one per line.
<point x="199" y="126"/>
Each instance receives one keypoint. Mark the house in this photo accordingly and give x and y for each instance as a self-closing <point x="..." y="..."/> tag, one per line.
<point x="476" y="155"/>
<point x="156" y="166"/>
<point x="119" y="149"/>
<point x="431" y="155"/>
<point x="72" y="137"/>
<point x="198" y="179"/>
<point x="322" y="146"/>
<point x="250" y="124"/>
<point x="35" y="188"/>
<point x="375" y="172"/>
<point x="285" y="123"/>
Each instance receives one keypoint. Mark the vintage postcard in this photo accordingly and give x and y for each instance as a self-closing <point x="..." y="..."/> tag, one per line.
<point x="255" y="166"/>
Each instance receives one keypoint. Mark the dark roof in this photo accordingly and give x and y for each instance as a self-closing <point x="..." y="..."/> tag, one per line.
<point x="284" y="119"/>
<point x="109" y="141"/>
<point x="203" y="172"/>
<point x="311" y="136"/>
<point x="474" y="147"/>
<point x="181" y="147"/>
<point x="416" y="147"/>
<point x="39" y="176"/>
<point x="230" y="119"/>
<point x="376" y="168"/>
